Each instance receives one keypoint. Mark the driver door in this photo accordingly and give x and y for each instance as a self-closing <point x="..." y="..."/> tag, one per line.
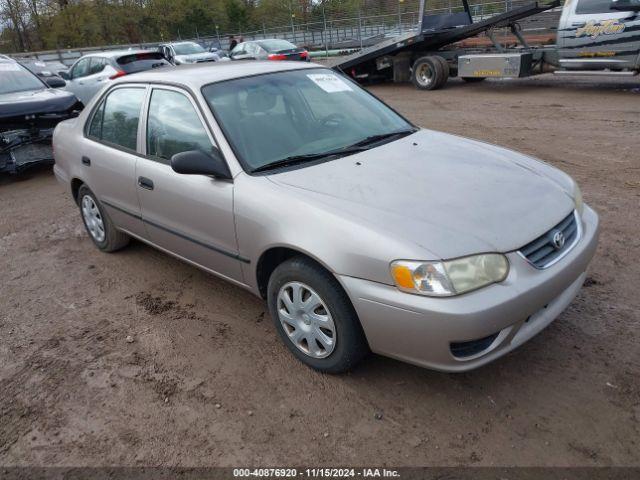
<point x="77" y="77"/>
<point x="239" y="53"/>
<point x="188" y="215"/>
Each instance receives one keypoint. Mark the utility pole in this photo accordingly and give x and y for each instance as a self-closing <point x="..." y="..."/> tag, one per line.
<point x="326" y="43"/>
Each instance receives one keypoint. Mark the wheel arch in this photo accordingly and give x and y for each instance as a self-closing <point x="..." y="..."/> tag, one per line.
<point x="76" y="183"/>
<point x="274" y="256"/>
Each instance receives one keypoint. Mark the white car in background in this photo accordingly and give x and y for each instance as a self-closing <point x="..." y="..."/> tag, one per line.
<point x="93" y="71"/>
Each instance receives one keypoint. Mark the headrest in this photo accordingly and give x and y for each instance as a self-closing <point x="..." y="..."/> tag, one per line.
<point x="261" y="100"/>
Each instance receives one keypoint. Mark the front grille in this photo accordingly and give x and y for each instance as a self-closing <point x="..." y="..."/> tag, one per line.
<point x="548" y="248"/>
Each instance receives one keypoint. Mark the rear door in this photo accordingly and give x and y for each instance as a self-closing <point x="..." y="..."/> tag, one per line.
<point x="188" y="215"/>
<point x="99" y="73"/>
<point x="592" y="36"/>
<point x="110" y="152"/>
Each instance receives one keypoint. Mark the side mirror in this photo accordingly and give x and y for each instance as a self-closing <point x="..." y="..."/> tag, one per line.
<point x="55" y="82"/>
<point x="64" y="75"/>
<point x="197" y="162"/>
<point x="625" y="5"/>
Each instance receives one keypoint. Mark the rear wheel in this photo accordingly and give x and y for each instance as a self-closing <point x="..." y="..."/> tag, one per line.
<point x="98" y="224"/>
<point x="314" y="316"/>
<point x="430" y="73"/>
<point x="445" y="69"/>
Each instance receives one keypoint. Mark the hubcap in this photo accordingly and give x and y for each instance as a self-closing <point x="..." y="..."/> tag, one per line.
<point x="425" y="74"/>
<point x="306" y="320"/>
<point x="92" y="218"/>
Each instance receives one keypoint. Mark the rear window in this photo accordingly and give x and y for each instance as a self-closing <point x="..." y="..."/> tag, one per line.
<point x="276" y="45"/>
<point x="139" y="62"/>
<point x="116" y="119"/>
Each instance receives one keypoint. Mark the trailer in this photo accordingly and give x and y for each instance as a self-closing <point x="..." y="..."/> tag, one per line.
<point x="588" y="43"/>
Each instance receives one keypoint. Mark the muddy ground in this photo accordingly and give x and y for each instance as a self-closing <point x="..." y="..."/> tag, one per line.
<point x="207" y="382"/>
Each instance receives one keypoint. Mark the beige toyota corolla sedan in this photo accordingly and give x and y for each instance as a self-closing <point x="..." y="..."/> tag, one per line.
<point x="362" y="231"/>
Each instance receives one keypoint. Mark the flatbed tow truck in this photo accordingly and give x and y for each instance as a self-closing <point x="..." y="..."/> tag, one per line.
<point x="595" y="37"/>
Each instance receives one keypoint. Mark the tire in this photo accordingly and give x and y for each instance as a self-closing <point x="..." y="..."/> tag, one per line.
<point x="98" y="224"/>
<point x="446" y="71"/>
<point x="340" y="322"/>
<point x="473" y="79"/>
<point x="428" y="73"/>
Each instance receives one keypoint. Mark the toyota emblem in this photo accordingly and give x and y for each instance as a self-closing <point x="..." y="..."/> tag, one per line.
<point x="558" y="239"/>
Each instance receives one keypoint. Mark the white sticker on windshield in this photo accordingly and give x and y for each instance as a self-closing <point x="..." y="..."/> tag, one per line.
<point x="9" y="67"/>
<point x="329" y="82"/>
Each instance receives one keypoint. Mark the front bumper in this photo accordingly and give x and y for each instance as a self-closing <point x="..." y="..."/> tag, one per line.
<point x="421" y="330"/>
<point x="19" y="149"/>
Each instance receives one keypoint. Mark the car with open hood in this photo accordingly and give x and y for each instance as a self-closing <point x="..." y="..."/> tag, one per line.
<point x="29" y="111"/>
<point x="269" y="49"/>
<point x="180" y="53"/>
<point x="362" y="231"/>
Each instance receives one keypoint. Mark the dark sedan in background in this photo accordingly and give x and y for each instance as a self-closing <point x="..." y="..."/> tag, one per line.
<point x="29" y="111"/>
<point x="49" y="72"/>
<point x="269" y="49"/>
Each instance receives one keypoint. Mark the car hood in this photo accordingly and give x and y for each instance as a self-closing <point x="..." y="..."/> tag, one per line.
<point x="196" y="57"/>
<point x="47" y="100"/>
<point x="450" y="195"/>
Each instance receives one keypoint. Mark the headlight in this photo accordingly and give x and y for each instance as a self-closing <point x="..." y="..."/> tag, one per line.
<point x="577" y="198"/>
<point x="451" y="277"/>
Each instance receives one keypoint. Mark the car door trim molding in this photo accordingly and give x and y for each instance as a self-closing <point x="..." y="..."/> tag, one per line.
<point x="214" y="248"/>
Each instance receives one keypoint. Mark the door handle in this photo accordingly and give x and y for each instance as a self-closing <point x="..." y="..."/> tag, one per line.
<point x="86" y="161"/>
<point x="145" y="182"/>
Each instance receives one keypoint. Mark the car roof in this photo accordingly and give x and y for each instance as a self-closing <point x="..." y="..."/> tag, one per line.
<point x="197" y="75"/>
<point x="181" y="43"/>
<point x="117" y="53"/>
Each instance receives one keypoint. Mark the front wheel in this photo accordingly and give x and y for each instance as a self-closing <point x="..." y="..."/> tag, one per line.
<point x="314" y="317"/>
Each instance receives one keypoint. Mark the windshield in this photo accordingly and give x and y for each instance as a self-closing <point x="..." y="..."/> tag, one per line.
<point x="187" y="48"/>
<point x="14" y="78"/>
<point x="272" y="117"/>
<point x="276" y="45"/>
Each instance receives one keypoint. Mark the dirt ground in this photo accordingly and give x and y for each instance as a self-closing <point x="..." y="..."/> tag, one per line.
<point x="207" y="382"/>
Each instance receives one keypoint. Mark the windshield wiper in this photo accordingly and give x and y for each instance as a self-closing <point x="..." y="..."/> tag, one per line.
<point x="383" y="136"/>
<point x="298" y="159"/>
<point x="357" y="147"/>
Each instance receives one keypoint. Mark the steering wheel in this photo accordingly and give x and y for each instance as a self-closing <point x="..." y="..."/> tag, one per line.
<point x="333" y="120"/>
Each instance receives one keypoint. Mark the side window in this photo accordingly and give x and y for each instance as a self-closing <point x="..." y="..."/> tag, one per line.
<point x="593" y="6"/>
<point x="173" y="126"/>
<point x="252" y="49"/>
<point x="95" y="129"/>
<point x="116" y="119"/>
<point x="81" y="69"/>
<point x="97" y="65"/>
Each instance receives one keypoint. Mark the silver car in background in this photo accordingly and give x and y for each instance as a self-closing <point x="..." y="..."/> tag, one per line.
<point x="93" y="71"/>
<point x="362" y="231"/>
